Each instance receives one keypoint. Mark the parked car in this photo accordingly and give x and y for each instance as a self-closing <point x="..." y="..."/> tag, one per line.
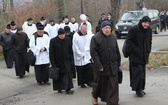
<point x="132" y="18"/>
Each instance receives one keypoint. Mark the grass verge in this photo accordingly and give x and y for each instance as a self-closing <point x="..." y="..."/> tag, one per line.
<point x="155" y="61"/>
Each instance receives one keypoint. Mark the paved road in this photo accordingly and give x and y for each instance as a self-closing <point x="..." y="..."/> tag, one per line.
<point x="15" y="91"/>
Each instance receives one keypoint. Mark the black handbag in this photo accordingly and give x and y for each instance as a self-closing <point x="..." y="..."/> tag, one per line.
<point x="31" y="58"/>
<point x="54" y="73"/>
<point x="120" y="76"/>
<point x="125" y="50"/>
<point x="30" y="55"/>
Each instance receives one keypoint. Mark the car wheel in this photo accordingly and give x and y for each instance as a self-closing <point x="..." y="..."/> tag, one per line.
<point x="157" y="30"/>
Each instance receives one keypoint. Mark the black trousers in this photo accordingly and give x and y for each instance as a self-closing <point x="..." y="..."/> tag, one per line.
<point x="20" y="63"/>
<point x="9" y="57"/>
<point x="137" y="76"/>
<point x="42" y="73"/>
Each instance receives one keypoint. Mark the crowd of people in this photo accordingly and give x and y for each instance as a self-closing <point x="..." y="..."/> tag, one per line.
<point x="70" y="46"/>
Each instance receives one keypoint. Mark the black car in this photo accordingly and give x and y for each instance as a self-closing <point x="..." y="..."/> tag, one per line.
<point x="131" y="18"/>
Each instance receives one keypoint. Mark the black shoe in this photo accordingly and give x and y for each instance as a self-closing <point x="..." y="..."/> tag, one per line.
<point x="59" y="91"/>
<point x="21" y="76"/>
<point x="47" y="83"/>
<point x="40" y="83"/>
<point x="90" y="84"/>
<point x="83" y="86"/>
<point x="143" y="92"/>
<point x="69" y="91"/>
<point x="139" y="93"/>
<point x="9" y="67"/>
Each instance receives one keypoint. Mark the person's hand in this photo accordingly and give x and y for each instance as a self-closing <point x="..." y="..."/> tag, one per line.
<point x="42" y="49"/>
<point x="101" y="69"/>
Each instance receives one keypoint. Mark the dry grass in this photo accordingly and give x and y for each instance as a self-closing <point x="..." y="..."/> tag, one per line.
<point x="155" y="61"/>
<point x="1" y="54"/>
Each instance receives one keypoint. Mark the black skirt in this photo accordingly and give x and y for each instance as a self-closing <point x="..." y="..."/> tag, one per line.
<point x="85" y="74"/>
<point x="106" y="88"/>
<point x="64" y="82"/>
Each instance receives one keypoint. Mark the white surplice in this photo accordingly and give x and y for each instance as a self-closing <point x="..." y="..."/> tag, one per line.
<point x="41" y="57"/>
<point x="81" y="48"/>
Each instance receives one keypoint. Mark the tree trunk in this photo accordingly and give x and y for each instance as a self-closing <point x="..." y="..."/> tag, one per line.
<point x="61" y="9"/>
<point x="11" y="5"/>
<point x="4" y="6"/>
<point x="115" y="9"/>
<point x="81" y="6"/>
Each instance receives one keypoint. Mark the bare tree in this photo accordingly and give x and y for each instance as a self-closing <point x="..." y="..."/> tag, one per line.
<point x="11" y="5"/>
<point x="4" y="5"/>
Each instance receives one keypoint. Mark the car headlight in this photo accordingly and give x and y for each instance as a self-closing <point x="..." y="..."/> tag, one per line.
<point x="116" y="27"/>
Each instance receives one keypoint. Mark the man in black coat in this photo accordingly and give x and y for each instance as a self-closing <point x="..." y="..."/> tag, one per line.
<point x="20" y="42"/>
<point x="106" y="57"/>
<point x="70" y="34"/>
<point x="61" y="56"/>
<point x="138" y="45"/>
<point x="6" y="43"/>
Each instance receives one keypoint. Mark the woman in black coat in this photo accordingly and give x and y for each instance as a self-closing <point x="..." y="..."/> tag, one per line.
<point x="61" y="57"/>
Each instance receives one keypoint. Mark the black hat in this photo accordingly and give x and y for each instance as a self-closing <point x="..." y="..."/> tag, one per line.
<point x="109" y="14"/>
<point x="61" y="31"/>
<point x="105" y="23"/>
<point x="66" y="16"/>
<point x="12" y="23"/>
<point x="8" y="26"/>
<point x="29" y="19"/>
<point x="39" y="26"/>
<point x="145" y="19"/>
<point x="19" y="28"/>
<point x="87" y="15"/>
<point x="38" y="23"/>
<point x="67" y="29"/>
<point x="102" y="14"/>
<point x="42" y="18"/>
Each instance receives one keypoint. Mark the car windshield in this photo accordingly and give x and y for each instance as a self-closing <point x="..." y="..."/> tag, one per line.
<point x="131" y="16"/>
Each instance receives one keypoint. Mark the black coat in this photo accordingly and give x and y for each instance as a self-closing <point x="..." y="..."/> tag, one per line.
<point x="5" y="40"/>
<point x="20" y="42"/>
<point x="138" y="43"/>
<point x="60" y="52"/>
<point x="105" y="54"/>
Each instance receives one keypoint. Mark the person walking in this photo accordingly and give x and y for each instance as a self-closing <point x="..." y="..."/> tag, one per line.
<point x="20" y="42"/>
<point x="81" y="52"/>
<point x="61" y="56"/>
<point x="138" y="45"/>
<point x="6" y="43"/>
<point x="106" y="57"/>
<point x="39" y="44"/>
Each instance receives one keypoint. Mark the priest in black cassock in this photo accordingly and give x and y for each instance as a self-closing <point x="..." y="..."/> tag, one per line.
<point x="61" y="57"/>
<point x="106" y="57"/>
<point x="20" y="42"/>
<point x="6" y="43"/>
<point x="70" y="34"/>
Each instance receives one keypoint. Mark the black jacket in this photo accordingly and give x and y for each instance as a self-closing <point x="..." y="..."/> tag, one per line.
<point x="20" y="42"/>
<point x="138" y="43"/>
<point x="60" y="52"/>
<point x="5" y="40"/>
<point x="105" y="54"/>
